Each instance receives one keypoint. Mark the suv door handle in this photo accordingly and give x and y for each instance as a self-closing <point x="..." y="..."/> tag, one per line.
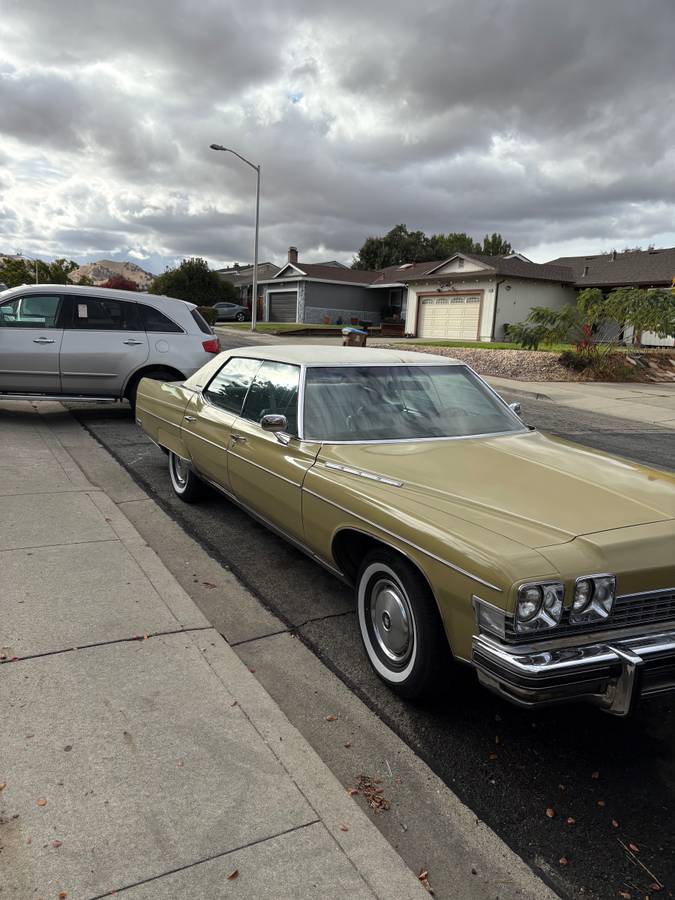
<point x="132" y="342"/>
<point x="42" y="340"/>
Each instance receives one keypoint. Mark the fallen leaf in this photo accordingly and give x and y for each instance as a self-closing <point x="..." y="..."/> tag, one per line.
<point x="233" y="874"/>
<point x="348" y="744"/>
<point x="634" y="848"/>
<point x="344" y="828"/>
<point x="331" y="718"/>
<point x="56" y="844"/>
<point x="63" y="895"/>
<point x="29" y="840"/>
<point x="423" y="878"/>
<point x="209" y="584"/>
<point x="564" y="861"/>
<point x="234" y="703"/>
<point x="3" y="785"/>
<point x="570" y="820"/>
<point x="550" y="812"/>
<point x="615" y="824"/>
<point x="41" y="801"/>
<point x="352" y="791"/>
<point x="373" y="794"/>
<point x="595" y="775"/>
<point x="68" y="748"/>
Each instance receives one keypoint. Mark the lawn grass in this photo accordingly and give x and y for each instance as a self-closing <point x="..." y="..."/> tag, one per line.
<point x="486" y="345"/>
<point x="275" y="327"/>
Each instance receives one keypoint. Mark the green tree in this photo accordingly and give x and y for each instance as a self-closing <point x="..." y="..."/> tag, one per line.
<point x="642" y="310"/>
<point x="445" y="245"/>
<point x="193" y="280"/>
<point x="15" y="271"/>
<point x="495" y="245"/>
<point x="396" y="247"/>
<point x="58" y="272"/>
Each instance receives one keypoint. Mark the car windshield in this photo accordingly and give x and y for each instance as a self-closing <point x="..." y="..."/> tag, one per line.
<point x="384" y="403"/>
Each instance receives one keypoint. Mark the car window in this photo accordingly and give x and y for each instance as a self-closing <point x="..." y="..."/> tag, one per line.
<point x="31" y="311"/>
<point x="379" y="403"/>
<point x="274" y="390"/>
<point x="104" y="314"/>
<point x="201" y="321"/>
<point x="156" y="321"/>
<point x="229" y="387"/>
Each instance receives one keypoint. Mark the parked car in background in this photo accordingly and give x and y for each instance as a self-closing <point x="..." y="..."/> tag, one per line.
<point x="231" y="312"/>
<point x="69" y="342"/>
<point x="545" y="565"/>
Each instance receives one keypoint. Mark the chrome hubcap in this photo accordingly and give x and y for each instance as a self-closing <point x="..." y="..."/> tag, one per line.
<point x="391" y="619"/>
<point x="180" y="471"/>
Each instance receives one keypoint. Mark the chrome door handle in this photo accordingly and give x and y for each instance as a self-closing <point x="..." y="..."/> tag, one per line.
<point x="189" y="418"/>
<point x="132" y="342"/>
<point x="43" y="340"/>
<point x="237" y="439"/>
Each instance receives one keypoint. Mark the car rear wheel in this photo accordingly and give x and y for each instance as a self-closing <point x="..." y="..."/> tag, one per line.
<point x="183" y="480"/>
<point x="400" y="626"/>
<point x="240" y="317"/>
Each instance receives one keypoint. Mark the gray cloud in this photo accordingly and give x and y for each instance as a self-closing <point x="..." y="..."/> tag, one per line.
<point x="545" y="121"/>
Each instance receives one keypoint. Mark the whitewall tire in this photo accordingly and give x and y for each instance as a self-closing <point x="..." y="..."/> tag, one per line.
<point x="185" y="483"/>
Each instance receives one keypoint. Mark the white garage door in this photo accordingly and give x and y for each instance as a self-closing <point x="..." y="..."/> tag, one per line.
<point x="455" y="318"/>
<point x="283" y="306"/>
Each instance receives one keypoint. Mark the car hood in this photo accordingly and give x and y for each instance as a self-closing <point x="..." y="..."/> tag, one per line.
<point x="532" y="488"/>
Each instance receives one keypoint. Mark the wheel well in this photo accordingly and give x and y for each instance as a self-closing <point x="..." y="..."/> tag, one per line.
<point x="166" y="372"/>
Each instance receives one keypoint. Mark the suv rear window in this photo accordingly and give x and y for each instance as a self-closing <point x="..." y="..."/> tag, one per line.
<point x="156" y="321"/>
<point x="104" y="314"/>
<point x="201" y="321"/>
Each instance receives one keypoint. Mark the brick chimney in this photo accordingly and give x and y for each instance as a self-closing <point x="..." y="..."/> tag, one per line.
<point x="293" y="255"/>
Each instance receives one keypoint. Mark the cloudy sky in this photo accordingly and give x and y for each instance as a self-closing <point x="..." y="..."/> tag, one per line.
<point x="551" y="122"/>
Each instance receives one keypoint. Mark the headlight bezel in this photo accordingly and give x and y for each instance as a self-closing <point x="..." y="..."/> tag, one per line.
<point x="597" y="608"/>
<point x="550" y="611"/>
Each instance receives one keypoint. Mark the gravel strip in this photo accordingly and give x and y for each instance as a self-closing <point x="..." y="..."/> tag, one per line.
<point x="526" y="365"/>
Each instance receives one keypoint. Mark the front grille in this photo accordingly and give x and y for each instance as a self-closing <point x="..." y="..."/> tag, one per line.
<point x="629" y="611"/>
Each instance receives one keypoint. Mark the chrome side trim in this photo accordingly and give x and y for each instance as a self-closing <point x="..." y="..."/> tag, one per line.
<point x="75" y="398"/>
<point x="655" y="593"/>
<point x="303" y="548"/>
<point x="405" y="541"/>
<point x="155" y="416"/>
<point x="348" y="470"/>
<point x="423" y="440"/>
<point x="206" y="440"/>
<point x="264" y="468"/>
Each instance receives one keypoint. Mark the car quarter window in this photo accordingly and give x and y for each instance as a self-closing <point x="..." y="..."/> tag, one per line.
<point x="104" y="314"/>
<point x="274" y="390"/>
<point x="156" y="321"/>
<point x="229" y="387"/>
<point x="30" y="311"/>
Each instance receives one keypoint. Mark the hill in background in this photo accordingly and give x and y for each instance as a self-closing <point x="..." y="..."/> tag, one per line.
<point x="103" y="269"/>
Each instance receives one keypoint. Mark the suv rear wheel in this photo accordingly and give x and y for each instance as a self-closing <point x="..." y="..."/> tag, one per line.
<point x="157" y="374"/>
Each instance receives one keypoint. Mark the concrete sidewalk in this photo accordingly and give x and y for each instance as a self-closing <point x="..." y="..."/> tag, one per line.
<point x="652" y="404"/>
<point x="138" y="754"/>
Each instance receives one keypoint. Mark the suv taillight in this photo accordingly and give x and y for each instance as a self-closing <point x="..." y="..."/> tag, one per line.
<point x="212" y="346"/>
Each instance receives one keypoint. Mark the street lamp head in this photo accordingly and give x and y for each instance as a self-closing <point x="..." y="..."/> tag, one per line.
<point x="218" y="147"/>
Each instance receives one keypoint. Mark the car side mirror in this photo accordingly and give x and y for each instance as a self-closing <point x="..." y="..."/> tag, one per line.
<point x="516" y="408"/>
<point x="277" y="425"/>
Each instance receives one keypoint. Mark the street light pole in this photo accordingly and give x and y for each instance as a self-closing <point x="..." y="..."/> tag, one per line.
<point x="254" y="299"/>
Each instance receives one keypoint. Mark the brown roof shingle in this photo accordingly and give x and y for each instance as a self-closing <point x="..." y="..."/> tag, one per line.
<point x="639" y="267"/>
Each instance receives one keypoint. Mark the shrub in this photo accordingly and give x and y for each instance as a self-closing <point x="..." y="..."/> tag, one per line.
<point x="209" y="314"/>
<point x="572" y="359"/>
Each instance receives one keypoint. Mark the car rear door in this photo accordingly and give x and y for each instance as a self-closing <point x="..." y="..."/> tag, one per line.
<point x="104" y="340"/>
<point x="31" y="333"/>
<point x="266" y="474"/>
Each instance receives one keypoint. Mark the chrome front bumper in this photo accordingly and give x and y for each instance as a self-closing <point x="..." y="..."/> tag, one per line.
<point x="612" y="675"/>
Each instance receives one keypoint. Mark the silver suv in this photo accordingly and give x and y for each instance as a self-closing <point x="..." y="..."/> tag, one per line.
<point x="65" y="341"/>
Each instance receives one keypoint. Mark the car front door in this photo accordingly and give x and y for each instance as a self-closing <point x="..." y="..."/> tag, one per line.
<point x="266" y="472"/>
<point x="31" y="333"/>
<point x="104" y="340"/>
<point x="209" y="417"/>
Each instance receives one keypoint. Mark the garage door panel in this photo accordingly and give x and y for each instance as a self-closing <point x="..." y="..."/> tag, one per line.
<point x="451" y="318"/>
<point x="283" y="306"/>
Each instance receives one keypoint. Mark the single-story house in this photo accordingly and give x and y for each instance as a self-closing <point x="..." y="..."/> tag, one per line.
<point x="242" y="279"/>
<point x="633" y="268"/>
<point x="465" y="297"/>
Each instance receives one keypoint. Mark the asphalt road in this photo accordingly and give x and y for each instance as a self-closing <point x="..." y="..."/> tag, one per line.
<point x="607" y="780"/>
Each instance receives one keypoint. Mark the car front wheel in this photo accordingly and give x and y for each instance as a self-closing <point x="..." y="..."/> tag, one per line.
<point x="400" y="625"/>
<point x="183" y="480"/>
<point x="240" y="317"/>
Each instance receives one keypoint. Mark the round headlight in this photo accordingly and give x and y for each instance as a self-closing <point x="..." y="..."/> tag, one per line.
<point x="583" y="595"/>
<point x="529" y="603"/>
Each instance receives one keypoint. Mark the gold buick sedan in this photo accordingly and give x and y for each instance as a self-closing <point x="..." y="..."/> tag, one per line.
<point x="547" y="566"/>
